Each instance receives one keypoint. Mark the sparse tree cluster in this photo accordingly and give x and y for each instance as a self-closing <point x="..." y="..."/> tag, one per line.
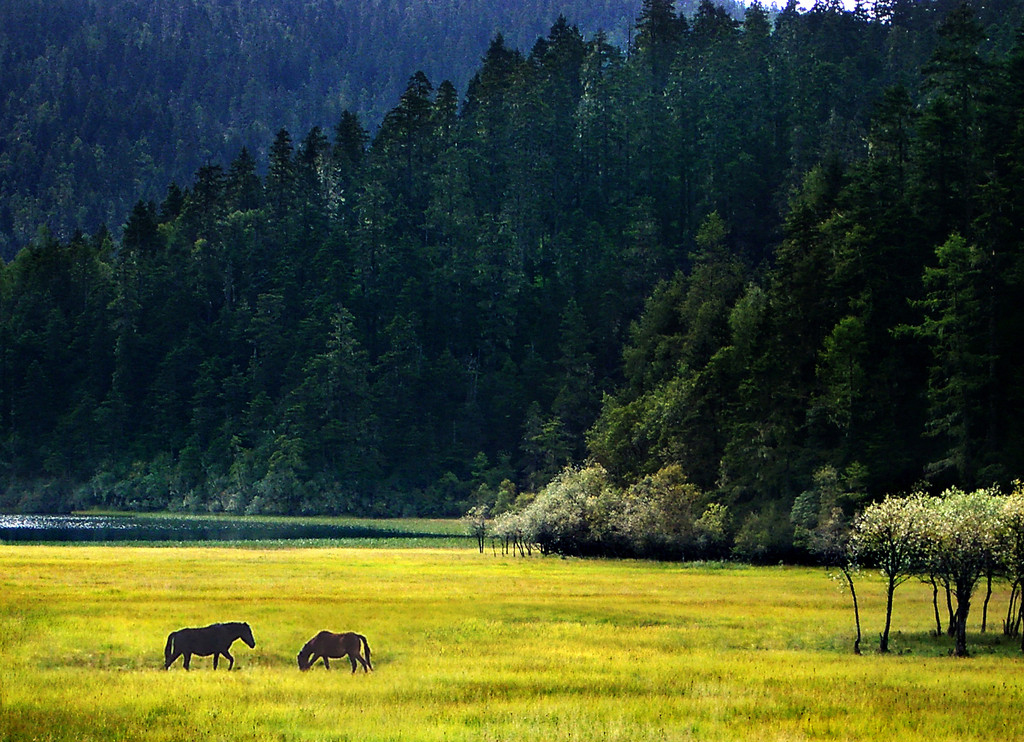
<point x="954" y="541"/>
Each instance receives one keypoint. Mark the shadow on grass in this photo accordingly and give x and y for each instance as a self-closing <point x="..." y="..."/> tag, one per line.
<point x="991" y="643"/>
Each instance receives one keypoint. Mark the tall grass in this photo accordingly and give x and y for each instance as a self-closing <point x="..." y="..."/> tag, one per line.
<point x="477" y="647"/>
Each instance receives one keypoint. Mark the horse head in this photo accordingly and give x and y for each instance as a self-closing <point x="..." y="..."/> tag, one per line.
<point x="304" y="654"/>
<point x="246" y="635"/>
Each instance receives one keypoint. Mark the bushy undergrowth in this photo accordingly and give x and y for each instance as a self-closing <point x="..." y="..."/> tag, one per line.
<point x="582" y="512"/>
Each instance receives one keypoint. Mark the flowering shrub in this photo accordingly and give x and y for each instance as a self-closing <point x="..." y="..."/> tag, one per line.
<point x="582" y="512"/>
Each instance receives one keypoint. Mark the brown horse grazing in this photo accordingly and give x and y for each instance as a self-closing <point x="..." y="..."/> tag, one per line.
<point x="329" y="645"/>
<point x="214" y="639"/>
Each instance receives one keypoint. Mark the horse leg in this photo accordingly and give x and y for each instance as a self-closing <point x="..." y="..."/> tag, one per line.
<point x="365" y="664"/>
<point x="327" y="662"/>
<point x="216" y="656"/>
<point x="188" y="659"/>
<point x="352" y="658"/>
<point x="231" y="659"/>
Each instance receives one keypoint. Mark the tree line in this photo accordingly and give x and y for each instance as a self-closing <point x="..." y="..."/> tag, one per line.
<point x="748" y="263"/>
<point x="152" y="91"/>
<point x="877" y="349"/>
<point x="954" y="541"/>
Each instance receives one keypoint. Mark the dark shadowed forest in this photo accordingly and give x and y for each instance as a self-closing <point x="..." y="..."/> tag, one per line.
<point x="740" y="259"/>
<point x="105" y="102"/>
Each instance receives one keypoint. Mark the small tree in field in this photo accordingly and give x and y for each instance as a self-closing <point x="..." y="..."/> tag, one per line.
<point x="477" y="520"/>
<point x="830" y="541"/>
<point x="510" y="528"/>
<point x="1010" y="556"/>
<point x="889" y="534"/>
<point x="962" y="534"/>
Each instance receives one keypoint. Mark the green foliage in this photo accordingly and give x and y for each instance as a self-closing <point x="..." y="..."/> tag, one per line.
<point x="833" y="498"/>
<point x="154" y="92"/>
<point x="957" y="330"/>
<point x="688" y="257"/>
<point x="764" y="536"/>
<point x="952" y="540"/>
<point x="582" y="512"/>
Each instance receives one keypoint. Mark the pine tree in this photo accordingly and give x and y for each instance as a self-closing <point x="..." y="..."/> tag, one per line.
<point x="658" y="32"/>
<point x="280" y="182"/>
<point x="244" y="189"/>
<point x="958" y="332"/>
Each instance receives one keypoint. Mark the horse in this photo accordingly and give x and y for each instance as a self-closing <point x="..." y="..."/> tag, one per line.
<point x="214" y="639"/>
<point x="328" y="645"/>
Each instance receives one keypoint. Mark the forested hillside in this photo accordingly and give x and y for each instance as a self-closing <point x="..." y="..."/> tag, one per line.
<point x="779" y="259"/>
<point x="104" y="102"/>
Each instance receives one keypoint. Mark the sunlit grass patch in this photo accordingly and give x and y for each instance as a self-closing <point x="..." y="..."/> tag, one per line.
<point x="478" y="647"/>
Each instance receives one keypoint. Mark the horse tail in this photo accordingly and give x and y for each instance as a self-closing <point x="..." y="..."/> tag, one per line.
<point x="366" y="646"/>
<point x="169" y="648"/>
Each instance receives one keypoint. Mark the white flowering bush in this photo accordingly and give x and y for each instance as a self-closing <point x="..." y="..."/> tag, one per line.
<point x="1010" y="557"/>
<point x="583" y="512"/>
<point x="890" y="535"/>
<point x="962" y="540"/>
<point x="571" y="514"/>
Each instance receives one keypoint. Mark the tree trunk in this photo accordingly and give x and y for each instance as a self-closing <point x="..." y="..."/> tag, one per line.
<point x="935" y="605"/>
<point x="883" y="639"/>
<point x="963" y="607"/>
<point x="984" y="607"/>
<point x="856" y="610"/>
<point x="1011" y="613"/>
<point x="1020" y="617"/>
<point x="951" y="629"/>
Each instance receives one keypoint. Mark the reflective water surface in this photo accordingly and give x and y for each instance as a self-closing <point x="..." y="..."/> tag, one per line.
<point x="72" y="528"/>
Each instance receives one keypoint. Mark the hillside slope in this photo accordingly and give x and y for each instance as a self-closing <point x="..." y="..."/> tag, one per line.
<point x="103" y="102"/>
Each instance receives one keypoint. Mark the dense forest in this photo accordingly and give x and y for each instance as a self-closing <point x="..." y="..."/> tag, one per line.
<point x="770" y="262"/>
<point x="105" y="102"/>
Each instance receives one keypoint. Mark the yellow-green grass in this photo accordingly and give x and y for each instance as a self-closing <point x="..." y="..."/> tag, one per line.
<point x="479" y="647"/>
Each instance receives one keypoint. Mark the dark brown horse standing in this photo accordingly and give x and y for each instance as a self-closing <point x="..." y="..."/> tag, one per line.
<point x="328" y="645"/>
<point x="214" y="639"/>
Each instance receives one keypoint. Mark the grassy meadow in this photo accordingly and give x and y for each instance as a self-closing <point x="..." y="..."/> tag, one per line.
<point x="479" y="647"/>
